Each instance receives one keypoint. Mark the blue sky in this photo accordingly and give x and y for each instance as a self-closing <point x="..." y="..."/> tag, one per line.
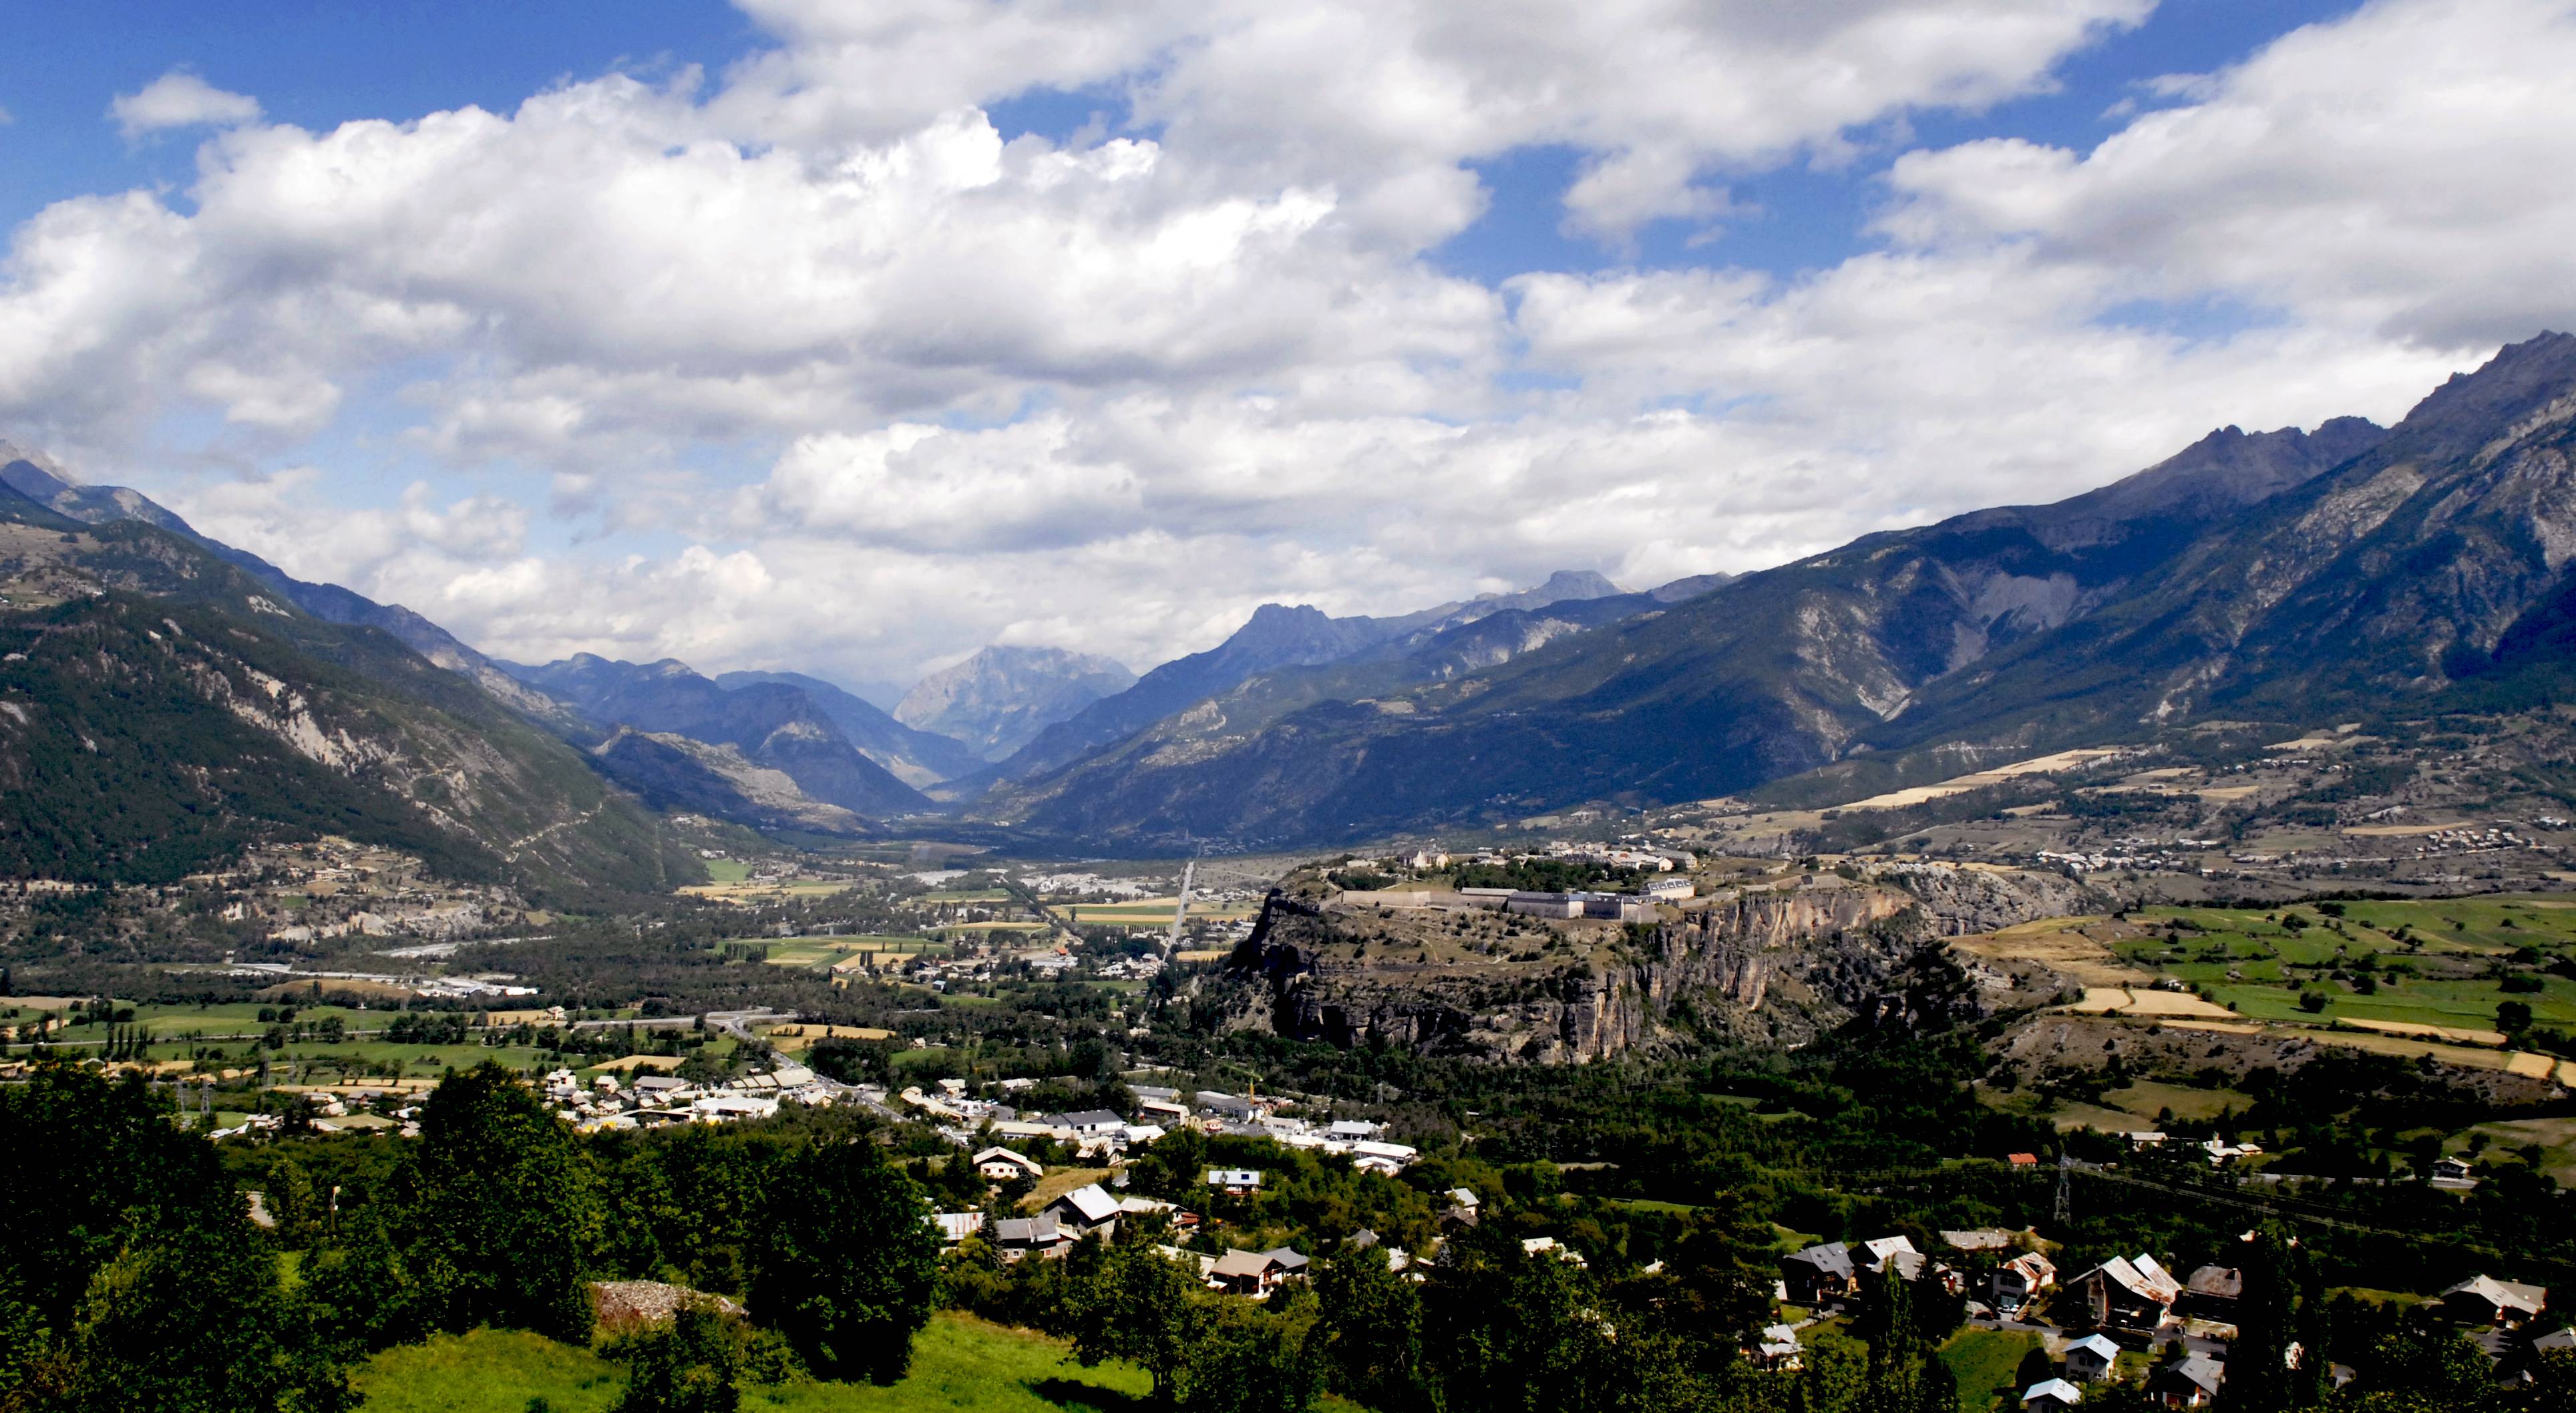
<point x="914" y="324"/>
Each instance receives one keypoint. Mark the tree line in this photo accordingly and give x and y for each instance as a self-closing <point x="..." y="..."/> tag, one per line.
<point x="133" y="1277"/>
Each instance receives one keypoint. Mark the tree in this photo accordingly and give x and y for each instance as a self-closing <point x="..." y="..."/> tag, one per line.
<point x="847" y="1262"/>
<point x="687" y="1366"/>
<point x="194" y="1322"/>
<point x="1141" y="1307"/>
<point x="1371" y="1332"/>
<point x="1250" y="1359"/>
<point x="505" y="1212"/>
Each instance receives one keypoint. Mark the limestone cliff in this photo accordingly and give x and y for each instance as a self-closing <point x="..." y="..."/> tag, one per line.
<point x="1777" y="965"/>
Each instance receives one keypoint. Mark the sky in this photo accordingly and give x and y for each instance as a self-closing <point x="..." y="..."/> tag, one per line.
<point x="847" y="336"/>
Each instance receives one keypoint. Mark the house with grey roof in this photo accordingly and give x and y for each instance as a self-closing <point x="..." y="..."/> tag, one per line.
<point x="1820" y="1275"/>
<point x="2189" y="1382"/>
<point x="1086" y="1210"/>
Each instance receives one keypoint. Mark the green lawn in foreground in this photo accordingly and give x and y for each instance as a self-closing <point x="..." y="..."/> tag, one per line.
<point x="1983" y="1362"/>
<point x="959" y="1362"/>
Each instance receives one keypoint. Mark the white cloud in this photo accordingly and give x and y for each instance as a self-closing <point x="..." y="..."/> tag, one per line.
<point x="179" y="99"/>
<point x="807" y="366"/>
<point x="2380" y="174"/>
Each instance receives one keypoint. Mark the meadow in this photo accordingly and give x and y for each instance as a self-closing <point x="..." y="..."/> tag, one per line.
<point x="958" y="1362"/>
<point x="1983" y="1362"/>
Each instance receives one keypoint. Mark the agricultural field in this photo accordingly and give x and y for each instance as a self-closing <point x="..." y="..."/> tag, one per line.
<point x="752" y="891"/>
<point x="958" y="1362"/>
<point x="831" y="951"/>
<point x="1150" y="912"/>
<point x="2436" y="970"/>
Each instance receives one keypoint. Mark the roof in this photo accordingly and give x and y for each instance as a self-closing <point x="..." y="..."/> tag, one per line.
<point x="1287" y="1258"/>
<point x="1234" y="1177"/>
<point x="1244" y="1263"/>
<point x="1832" y="1257"/>
<point x="2033" y="1266"/>
<point x="2142" y="1278"/>
<point x="2058" y="1389"/>
<point x="2222" y="1282"/>
<point x="2102" y="1345"/>
<point x="1462" y="1196"/>
<point x="1091" y="1118"/>
<point x="1881" y="1248"/>
<point x="1027" y="1231"/>
<point x="957" y="1226"/>
<point x="2022" y="1160"/>
<point x="1007" y="1156"/>
<point x="2504" y="1295"/>
<point x="1093" y="1204"/>
<point x="1986" y="1240"/>
<point x="2198" y="1370"/>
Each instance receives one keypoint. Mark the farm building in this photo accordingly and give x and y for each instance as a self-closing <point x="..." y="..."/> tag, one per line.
<point x="2484" y="1300"/>
<point x="2121" y="1294"/>
<point x="2211" y="1293"/>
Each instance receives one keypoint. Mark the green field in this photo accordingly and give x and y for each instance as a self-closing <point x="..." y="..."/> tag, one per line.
<point x="980" y="895"/>
<point x="2437" y="962"/>
<point x="959" y="1362"/>
<point x="727" y="870"/>
<point x="2146" y="1098"/>
<point x="1983" y="1362"/>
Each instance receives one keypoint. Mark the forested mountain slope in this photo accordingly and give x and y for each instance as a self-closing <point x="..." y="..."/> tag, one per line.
<point x="160" y="708"/>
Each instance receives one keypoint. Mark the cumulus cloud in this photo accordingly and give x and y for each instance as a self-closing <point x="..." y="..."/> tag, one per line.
<point x="179" y="99"/>
<point x="2380" y="173"/>
<point x="811" y="366"/>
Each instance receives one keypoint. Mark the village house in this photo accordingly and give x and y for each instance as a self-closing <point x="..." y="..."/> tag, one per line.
<point x="1086" y="1210"/>
<point x="955" y="1227"/>
<point x="1234" y="1181"/>
<point x="2211" y="1294"/>
<point x="2133" y="1297"/>
<point x="1002" y="1165"/>
<point x="1256" y="1273"/>
<point x="1550" y="1246"/>
<point x="1090" y="1123"/>
<point x="2484" y="1300"/>
<point x="2091" y="1359"/>
<point x="1778" y="1348"/>
<point x="2019" y="1281"/>
<point x="2051" y="1396"/>
<point x="1040" y="1235"/>
<point x="1820" y="1275"/>
<point x="2190" y="1382"/>
<point x="2450" y="1170"/>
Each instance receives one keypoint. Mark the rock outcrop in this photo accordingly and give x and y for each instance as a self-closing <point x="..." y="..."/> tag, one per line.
<point x="1777" y="965"/>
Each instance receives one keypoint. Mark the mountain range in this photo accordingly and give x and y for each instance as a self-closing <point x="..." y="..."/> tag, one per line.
<point x="2278" y="575"/>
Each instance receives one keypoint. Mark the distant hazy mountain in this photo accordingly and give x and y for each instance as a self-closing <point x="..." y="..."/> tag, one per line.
<point x="1276" y="636"/>
<point x="1986" y="627"/>
<point x="917" y="758"/>
<point x="1001" y="697"/>
<point x="772" y="724"/>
